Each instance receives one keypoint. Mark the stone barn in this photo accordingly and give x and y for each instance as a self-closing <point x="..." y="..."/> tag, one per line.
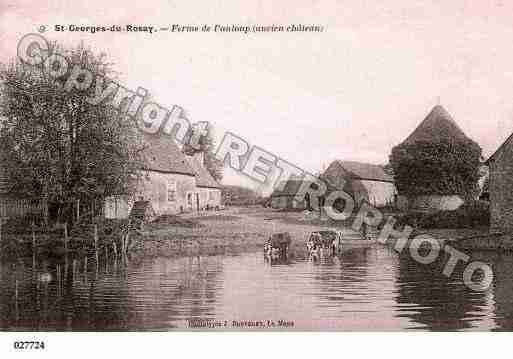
<point x="168" y="182"/>
<point x="363" y="181"/>
<point x="208" y="190"/>
<point x="286" y="197"/>
<point x="500" y="187"/>
<point x="437" y="124"/>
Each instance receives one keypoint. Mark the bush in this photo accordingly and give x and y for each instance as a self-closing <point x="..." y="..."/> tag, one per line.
<point x="472" y="214"/>
<point x="24" y="224"/>
<point x="410" y="219"/>
<point x="436" y="167"/>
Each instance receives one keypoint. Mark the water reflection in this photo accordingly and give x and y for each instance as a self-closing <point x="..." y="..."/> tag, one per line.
<point x="502" y="289"/>
<point x="361" y="289"/>
<point x="436" y="302"/>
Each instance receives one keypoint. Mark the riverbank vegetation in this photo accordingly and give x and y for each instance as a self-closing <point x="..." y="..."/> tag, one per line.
<point x="471" y="214"/>
<point x="57" y="146"/>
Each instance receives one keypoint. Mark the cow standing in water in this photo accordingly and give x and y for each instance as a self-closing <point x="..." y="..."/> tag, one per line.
<point x="277" y="246"/>
<point x="323" y="244"/>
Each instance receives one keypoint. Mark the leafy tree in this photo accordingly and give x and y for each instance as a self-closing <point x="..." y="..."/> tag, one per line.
<point x="440" y="166"/>
<point x="59" y="147"/>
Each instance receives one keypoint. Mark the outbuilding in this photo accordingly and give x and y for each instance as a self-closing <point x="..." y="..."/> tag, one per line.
<point x="362" y="181"/>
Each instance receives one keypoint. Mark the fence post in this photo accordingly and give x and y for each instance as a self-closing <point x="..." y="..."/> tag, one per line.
<point x="78" y="210"/>
<point x="33" y="238"/>
<point x="66" y="236"/>
<point x="96" y="243"/>
<point x="126" y="241"/>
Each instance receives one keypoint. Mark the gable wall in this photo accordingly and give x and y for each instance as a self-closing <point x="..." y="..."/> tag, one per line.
<point x="501" y="189"/>
<point x="375" y="192"/>
<point x="336" y="175"/>
<point x="378" y="193"/>
<point x="154" y="188"/>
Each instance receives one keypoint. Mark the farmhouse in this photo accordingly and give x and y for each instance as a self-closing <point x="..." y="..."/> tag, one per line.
<point x="362" y="181"/>
<point x="168" y="183"/>
<point x="501" y="187"/>
<point x="171" y="183"/>
<point x="208" y="193"/>
<point x="436" y="126"/>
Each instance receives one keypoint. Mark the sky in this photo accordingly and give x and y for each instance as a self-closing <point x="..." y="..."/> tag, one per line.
<point x="351" y="92"/>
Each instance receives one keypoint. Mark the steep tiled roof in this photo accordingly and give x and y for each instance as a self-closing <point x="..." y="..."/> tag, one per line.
<point x="163" y="155"/>
<point x="291" y="187"/>
<point x="508" y="142"/>
<point x="437" y="124"/>
<point x="203" y="177"/>
<point x="365" y="171"/>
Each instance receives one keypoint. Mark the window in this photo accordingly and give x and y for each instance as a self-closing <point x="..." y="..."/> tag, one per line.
<point x="171" y="191"/>
<point x="211" y="195"/>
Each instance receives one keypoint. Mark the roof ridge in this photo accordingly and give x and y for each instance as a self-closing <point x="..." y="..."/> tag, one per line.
<point x="437" y="116"/>
<point x="164" y="155"/>
<point x="365" y="171"/>
<point x="203" y="177"/>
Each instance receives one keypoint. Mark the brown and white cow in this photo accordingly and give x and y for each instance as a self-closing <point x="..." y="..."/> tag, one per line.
<point x="323" y="243"/>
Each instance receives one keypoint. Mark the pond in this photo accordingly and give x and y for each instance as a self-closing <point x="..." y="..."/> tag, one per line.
<point x="361" y="289"/>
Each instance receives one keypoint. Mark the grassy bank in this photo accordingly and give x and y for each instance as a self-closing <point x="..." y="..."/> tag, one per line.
<point x="225" y="232"/>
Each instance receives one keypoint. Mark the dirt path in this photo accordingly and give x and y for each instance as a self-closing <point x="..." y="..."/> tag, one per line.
<point x="233" y="229"/>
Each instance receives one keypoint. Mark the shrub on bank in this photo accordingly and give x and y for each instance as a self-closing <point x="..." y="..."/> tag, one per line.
<point x="471" y="214"/>
<point x="24" y="224"/>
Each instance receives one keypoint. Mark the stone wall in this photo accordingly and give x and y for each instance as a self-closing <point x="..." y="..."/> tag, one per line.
<point x="493" y="242"/>
<point x="435" y="203"/>
<point x="281" y="202"/>
<point x="155" y="187"/>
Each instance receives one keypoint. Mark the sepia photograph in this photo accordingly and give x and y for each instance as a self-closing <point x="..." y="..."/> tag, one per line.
<point x="266" y="167"/>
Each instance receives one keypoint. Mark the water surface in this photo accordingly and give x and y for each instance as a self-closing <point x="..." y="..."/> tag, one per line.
<point x="362" y="289"/>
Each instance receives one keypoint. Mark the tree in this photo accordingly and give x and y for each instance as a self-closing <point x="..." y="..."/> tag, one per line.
<point x="206" y="145"/>
<point x="57" y="145"/>
<point x="440" y="166"/>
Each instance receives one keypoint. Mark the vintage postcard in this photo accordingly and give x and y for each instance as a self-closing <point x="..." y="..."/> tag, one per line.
<point x="257" y="166"/>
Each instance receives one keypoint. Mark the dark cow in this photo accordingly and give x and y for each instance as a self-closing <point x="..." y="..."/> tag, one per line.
<point x="277" y="245"/>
